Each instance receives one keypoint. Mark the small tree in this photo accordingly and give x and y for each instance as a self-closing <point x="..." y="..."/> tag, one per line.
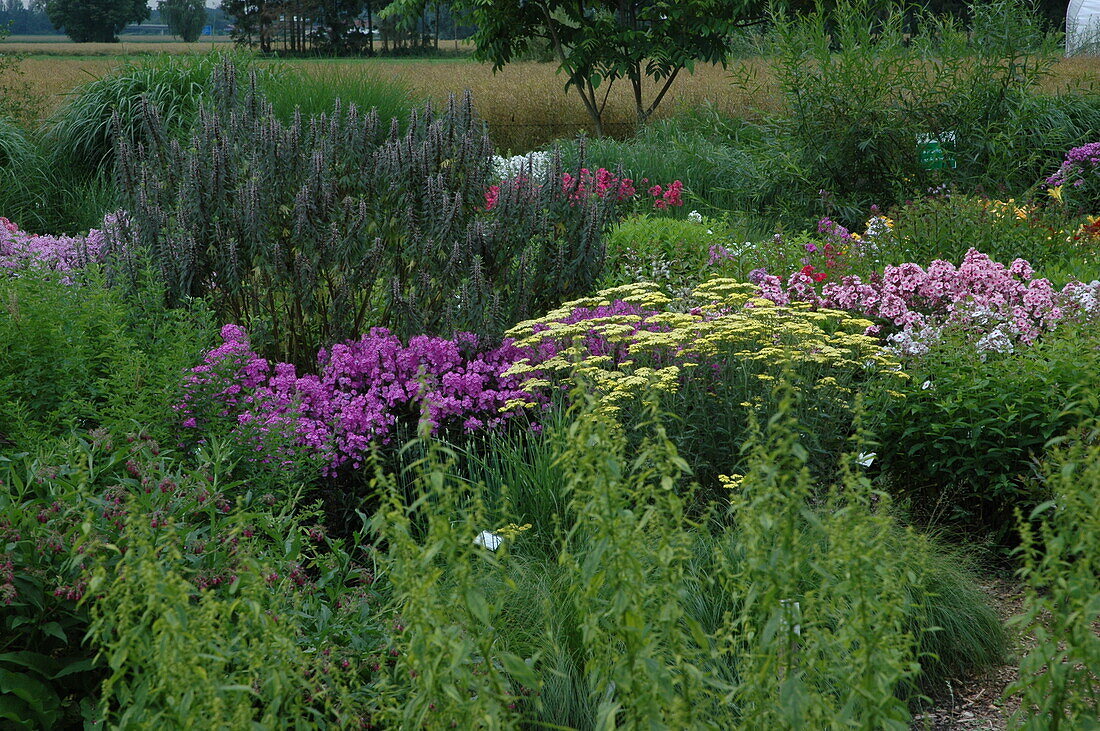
<point x="597" y="43"/>
<point x="253" y="22"/>
<point x="95" y="20"/>
<point x="185" y="18"/>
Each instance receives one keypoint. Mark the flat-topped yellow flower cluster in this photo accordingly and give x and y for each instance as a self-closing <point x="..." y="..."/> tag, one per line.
<point x="665" y="340"/>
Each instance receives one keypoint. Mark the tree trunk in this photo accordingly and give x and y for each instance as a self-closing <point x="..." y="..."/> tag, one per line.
<point x="370" y="29"/>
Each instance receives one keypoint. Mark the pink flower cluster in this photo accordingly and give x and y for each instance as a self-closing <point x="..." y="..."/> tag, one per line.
<point x="363" y="390"/>
<point x="667" y="197"/>
<point x="997" y="305"/>
<point x="602" y="183"/>
<point x="20" y="250"/>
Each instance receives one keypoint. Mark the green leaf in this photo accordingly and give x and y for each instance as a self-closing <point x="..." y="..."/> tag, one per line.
<point x="522" y="671"/>
<point x="1042" y="508"/>
<point x="82" y="665"/>
<point x="476" y="603"/>
<point x="15" y="710"/>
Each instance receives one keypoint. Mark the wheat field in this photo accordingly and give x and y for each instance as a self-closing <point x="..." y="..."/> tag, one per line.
<point x="525" y="104"/>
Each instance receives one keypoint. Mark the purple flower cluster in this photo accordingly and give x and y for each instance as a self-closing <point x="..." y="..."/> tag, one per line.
<point x="363" y="390"/>
<point x="1079" y="161"/>
<point x="997" y="305"/>
<point x="595" y="343"/>
<point x="21" y="250"/>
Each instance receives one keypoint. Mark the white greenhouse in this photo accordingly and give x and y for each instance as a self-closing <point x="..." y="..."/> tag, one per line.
<point x="1083" y="27"/>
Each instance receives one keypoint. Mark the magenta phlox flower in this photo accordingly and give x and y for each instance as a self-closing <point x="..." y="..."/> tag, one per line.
<point x="362" y="391"/>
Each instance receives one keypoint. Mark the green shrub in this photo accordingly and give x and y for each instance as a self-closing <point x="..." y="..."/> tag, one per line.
<point x="81" y="355"/>
<point x="1058" y="676"/>
<point x="671" y="253"/>
<point x="176" y="654"/>
<point x="179" y="565"/>
<point x="959" y="447"/>
<point x="860" y="90"/>
<point x="946" y="226"/>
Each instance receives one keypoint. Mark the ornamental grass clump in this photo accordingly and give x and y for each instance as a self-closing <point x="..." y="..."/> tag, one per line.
<point x="310" y="232"/>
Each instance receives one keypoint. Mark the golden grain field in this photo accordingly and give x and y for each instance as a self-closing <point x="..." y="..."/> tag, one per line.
<point x="525" y="103"/>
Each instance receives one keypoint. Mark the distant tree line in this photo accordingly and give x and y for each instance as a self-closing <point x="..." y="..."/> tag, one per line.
<point x="329" y="26"/>
<point x="25" y="21"/>
<point x="342" y="26"/>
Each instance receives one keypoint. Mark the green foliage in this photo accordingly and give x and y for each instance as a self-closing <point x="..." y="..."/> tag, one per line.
<point x="718" y="170"/>
<point x="98" y="21"/>
<point x="627" y="610"/>
<point x="81" y="355"/>
<point x="960" y="446"/>
<point x="1058" y="677"/>
<point x="946" y="226"/>
<point x="185" y="18"/>
<point x="315" y="92"/>
<point x="668" y="252"/>
<point x="16" y="148"/>
<point x="836" y="654"/>
<point x="176" y="655"/>
<point x="450" y="667"/>
<point x="222" y="551"/>
<point x="46" y="673"/>
<point x="628" y="546"/>
<point x="46" y="196"/>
